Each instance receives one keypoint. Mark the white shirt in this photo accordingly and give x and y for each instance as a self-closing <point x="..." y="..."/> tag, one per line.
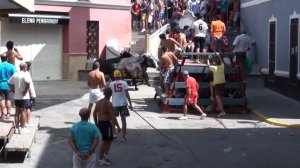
<point x="200" y="28"/>
<point x="31" y="86"/>
<point x="203" y="7"/>
<point x="195" y="6"/>
<point x="242" y="43"/>
<point x="18" y="80"/>
<point x="118" y="88"/>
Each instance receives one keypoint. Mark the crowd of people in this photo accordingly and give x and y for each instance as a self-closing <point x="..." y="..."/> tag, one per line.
<point x="152" y="14"/>
<point x="16" y="87"/>
<point x="84" y="136"/>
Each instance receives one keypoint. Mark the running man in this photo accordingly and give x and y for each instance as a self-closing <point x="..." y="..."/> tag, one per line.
<point x="96" y="82"/>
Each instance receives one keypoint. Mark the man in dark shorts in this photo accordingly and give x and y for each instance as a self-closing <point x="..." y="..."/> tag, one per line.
<point x="6" y="72"/>
<point x="199" y="33"/>
<point x="21" y="82"/>
<point x="104" y="117"/>
<point x="120" y="96"/>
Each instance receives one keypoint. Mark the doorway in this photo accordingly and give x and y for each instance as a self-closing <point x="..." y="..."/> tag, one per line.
<point x="293" y="51"/>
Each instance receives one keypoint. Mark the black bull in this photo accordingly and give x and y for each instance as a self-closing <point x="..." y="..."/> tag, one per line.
<point x="131" y="67"/>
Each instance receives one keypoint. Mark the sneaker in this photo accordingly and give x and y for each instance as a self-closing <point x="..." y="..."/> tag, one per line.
<point x="203" y="116"/>
<point x="143" y="30"/>
<point x="25" y="131"/>
<point x="17" y="130"/>
<point x="222" y="114"/>
<point x="106" y="158"/>
<point x="124" y="139"/>
<point x="183" y="118"/>
<point x="103" y="163"/>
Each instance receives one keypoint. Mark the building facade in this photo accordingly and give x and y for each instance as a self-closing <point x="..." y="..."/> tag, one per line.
<point x="274" y="24"/>
<point x="61" y="35"/>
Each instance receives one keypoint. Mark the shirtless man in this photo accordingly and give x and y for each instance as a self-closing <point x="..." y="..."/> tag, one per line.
<point x="104" y="117"/>
<point x="96" y="82"/>
<point x="171" y="45"/>
<point x="12" y="54"/>
<point x="182" y="39"/>
<point x="167" y="62"/>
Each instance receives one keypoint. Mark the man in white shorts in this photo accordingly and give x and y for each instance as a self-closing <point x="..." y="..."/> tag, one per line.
<point x="96" y="82"/>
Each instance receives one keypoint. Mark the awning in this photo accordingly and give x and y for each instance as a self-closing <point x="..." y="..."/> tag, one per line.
<point x="7" y="6"/>
<point x="38" y="19"/>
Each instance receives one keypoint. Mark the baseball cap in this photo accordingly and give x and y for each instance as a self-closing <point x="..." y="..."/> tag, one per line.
<point x="117" y="74"/>
<point x="185" y="72"/>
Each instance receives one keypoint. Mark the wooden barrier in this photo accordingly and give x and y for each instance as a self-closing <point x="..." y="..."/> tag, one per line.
<point x="23" y="142"/>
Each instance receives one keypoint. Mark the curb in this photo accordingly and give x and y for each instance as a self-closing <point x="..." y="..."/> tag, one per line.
<point x="274" y="122"/>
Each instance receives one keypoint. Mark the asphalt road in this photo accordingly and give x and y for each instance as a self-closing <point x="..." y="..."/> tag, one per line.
<point x="158" y="140"/>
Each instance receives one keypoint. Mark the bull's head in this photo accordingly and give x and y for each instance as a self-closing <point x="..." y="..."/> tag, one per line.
<point x="148" y="61"/>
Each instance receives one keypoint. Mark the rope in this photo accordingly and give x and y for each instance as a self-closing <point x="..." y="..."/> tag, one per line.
<point x="158" y="131"/>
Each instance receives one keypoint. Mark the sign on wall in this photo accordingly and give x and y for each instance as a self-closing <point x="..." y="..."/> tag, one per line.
<point x="38" y="19"/>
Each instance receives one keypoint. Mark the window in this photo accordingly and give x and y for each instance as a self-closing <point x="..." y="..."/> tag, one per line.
<point x="92" y="39"/>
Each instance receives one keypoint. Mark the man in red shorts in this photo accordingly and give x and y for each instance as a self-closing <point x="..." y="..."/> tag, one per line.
<point x="191" y="96"/>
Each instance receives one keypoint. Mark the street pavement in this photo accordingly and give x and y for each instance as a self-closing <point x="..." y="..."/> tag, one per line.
<point x="157" y="140"/>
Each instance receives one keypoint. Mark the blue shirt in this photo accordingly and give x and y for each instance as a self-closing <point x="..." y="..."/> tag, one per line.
<point x="224" y="6"/>
<point x="83" y="134"/>
<point x="6" y="72"/>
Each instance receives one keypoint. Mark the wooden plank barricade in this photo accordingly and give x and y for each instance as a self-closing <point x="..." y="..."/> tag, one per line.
<point x="23" y="142"/>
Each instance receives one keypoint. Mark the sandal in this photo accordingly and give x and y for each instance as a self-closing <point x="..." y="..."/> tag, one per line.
<point x="7" y="116"/>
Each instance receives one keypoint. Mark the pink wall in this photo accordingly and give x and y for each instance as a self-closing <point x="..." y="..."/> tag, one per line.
<point x="112" y="24"/>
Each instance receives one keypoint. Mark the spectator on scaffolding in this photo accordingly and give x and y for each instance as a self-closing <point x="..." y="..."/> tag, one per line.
<point x="218" y="84"/>
<point x="203" y="10"/>
<point x="144" y="12"/>
<point x="169" y="11"/>
<point x="195" y="8"/>
<point x="160" y="13"/>
<point x="188" y="35"/>
<point x="136" y="11"/>
<point x="224" y="10"/>
<point x="242" y="43"/>
<point x="212" y="9"/>
<point x="174" y="23"/>
<point x="236" y="14"/>
<point x="199" y="33"/>
<point x="217" y="30"/>
<point x="150" y="15"/>
<point x="181" y="38"/>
